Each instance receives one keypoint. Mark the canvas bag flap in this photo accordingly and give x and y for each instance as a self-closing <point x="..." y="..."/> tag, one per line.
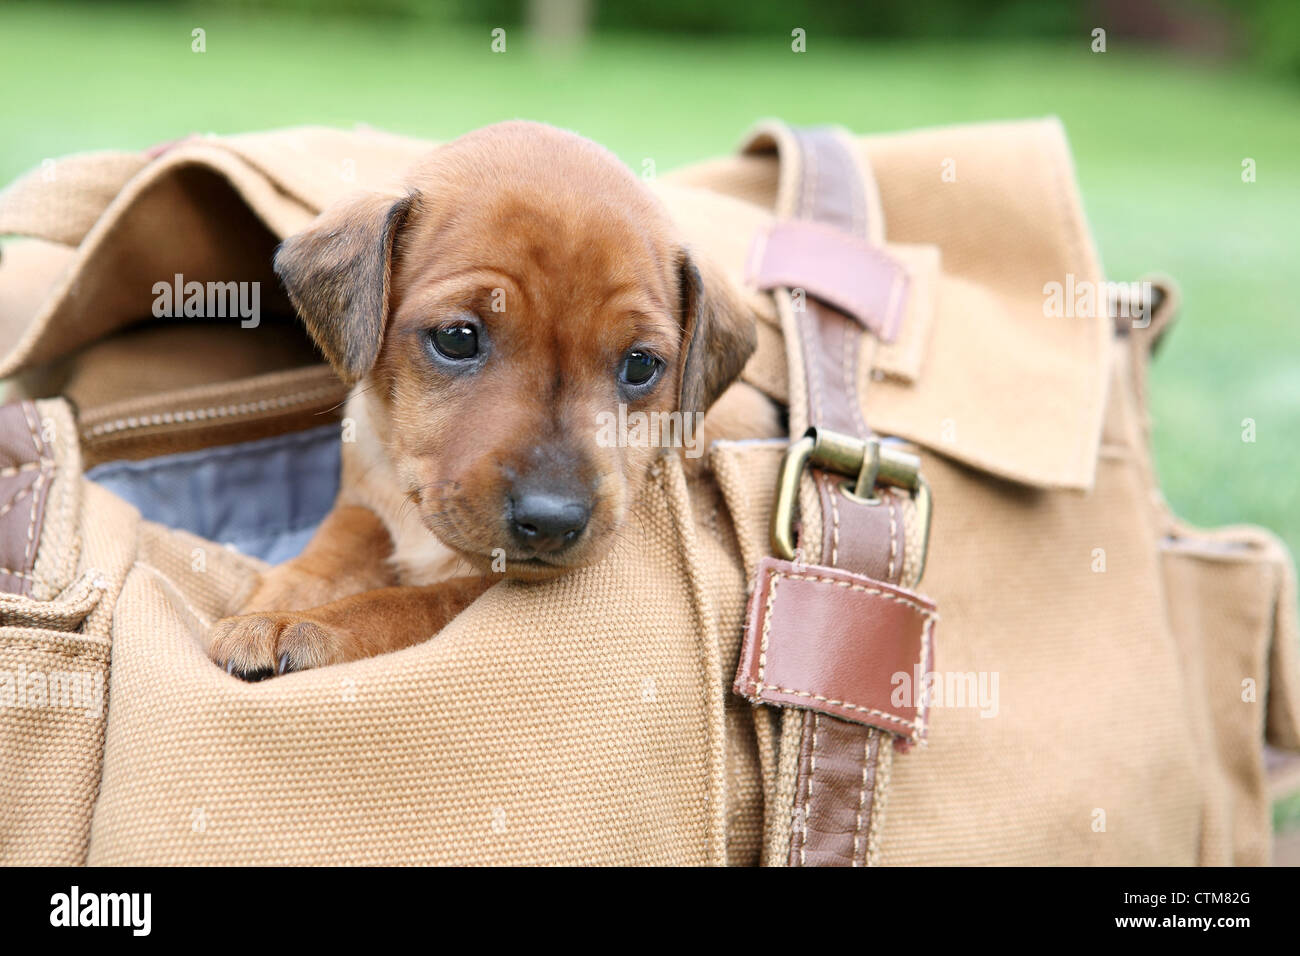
<point x="103" y="229"/>
<point x="1001" y="385"/>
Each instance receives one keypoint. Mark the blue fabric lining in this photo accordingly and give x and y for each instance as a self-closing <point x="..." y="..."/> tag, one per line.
<point x="265" y="497"/>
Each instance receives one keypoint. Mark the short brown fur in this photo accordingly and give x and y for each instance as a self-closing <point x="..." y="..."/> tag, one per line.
<point x="564" y="262"/>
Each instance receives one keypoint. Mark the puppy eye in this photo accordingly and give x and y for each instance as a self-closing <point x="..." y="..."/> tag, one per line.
<point x="639" y="368"/>
<point x="456" y="342"/>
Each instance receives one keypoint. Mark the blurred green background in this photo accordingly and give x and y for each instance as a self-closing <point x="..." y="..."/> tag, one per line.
<point x="1160" y="123"/>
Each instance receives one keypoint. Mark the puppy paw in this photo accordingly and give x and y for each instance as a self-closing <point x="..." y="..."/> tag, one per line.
<point x="254" y="647"/>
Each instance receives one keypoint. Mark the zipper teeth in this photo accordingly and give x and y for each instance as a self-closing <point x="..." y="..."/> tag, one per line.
<point x="192" y="415"/>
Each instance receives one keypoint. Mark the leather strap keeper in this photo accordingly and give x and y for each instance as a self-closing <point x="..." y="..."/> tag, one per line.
<point x="828" y="640"/>
<point x="834" y="266"/>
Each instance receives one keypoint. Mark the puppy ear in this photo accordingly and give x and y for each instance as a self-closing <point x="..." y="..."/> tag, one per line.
<point x="337" y="274"/>
<point x="719" y="333"/>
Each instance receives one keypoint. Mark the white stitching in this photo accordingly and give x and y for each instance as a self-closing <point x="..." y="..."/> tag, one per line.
<point x="923" y="708"/>
<point x="835" y="518"/>
<point x="16" y="470"/>
<point x="811" y="335"/>
<point x="850" y="372"/>
<point x="893" y="536"/>
<point x="798" y="809"/>
<point x="813" y="338"/>
<point x="832" y="702"/>
<point x="29" y="553"/>
<point x="811" y="176"/>
<point x="807" y="798"/>
<point x="774" y="579"/>
<point x="19" y="495"/>
<point x="37" y="445"/>
<point x="862" y="796"/>
<point x="837" y="149"/>
<point x="879" y="799"/>
<point x="919" y="608"/>
<point x="202" y="414"/>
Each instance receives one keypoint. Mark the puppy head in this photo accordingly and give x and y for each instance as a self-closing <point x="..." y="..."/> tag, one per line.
<point x="499" y="314"/>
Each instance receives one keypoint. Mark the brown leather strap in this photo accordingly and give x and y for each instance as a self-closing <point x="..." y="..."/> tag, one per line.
<point x="842" y="778"/>
<point x="869" y="539"/>
<point x="827" y="638"/>
<point x="26" y="470"/>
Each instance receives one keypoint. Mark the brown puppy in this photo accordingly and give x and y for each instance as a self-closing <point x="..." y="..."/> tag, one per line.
<point x="525" y="284"/>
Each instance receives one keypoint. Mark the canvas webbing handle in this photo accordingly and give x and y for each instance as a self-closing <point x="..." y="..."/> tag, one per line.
<point x="829" y="626"/>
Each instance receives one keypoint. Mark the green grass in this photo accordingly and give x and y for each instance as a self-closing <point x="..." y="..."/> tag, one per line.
<point x="1159" y="145"/>
<point x="1286" y="813"/>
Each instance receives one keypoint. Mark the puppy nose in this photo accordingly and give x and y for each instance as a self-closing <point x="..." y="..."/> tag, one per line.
<point x="548" y="522"/>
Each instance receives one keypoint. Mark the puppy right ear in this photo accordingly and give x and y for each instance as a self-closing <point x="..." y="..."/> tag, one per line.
<point x="337" y="273"/>
<point x="719" y="332"/>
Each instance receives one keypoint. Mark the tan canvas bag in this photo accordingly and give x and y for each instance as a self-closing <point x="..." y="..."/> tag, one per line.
<point x="607" y="717"/>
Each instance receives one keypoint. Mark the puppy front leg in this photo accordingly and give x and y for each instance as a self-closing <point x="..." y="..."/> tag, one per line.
<point x="260" y="645"/>
<point x="348" y="554"/>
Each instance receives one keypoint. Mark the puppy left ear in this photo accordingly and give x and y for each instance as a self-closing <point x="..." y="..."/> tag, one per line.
<point x="719" y="334"/>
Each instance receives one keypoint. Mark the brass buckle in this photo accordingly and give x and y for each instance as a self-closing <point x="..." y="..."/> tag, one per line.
<point x="871" y="462"/>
